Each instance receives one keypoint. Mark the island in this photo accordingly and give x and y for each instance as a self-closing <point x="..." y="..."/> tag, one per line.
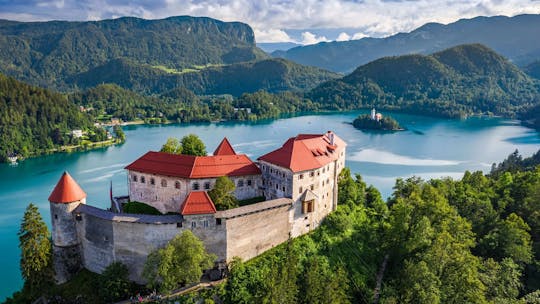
<point x="376" y="121"/>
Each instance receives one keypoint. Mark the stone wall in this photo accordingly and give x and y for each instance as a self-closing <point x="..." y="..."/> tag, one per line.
<point x="67" y="262"/>
<point x="253" y="229"/>
<point x="63" y="223"/>
<point x="97" y="242"/>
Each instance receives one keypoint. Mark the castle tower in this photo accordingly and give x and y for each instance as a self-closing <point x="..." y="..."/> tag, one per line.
<point x="66" y="196"/>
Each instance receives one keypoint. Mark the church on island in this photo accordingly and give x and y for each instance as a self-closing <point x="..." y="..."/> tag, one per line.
<point x="297" y="183"/>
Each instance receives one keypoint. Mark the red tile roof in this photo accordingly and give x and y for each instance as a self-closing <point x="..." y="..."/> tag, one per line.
<point x="224" y="148"/>
<point x="66" y="191"/>
<point x="188" y="166"/>
<point x="305" y="152"/>
<point x="198" y="202"/>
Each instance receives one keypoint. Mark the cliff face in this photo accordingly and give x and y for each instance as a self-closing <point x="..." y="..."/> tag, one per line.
<point x="47" y="53"/>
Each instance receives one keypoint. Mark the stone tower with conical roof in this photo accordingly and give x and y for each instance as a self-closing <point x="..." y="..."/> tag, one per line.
<point x="66" y="196"/>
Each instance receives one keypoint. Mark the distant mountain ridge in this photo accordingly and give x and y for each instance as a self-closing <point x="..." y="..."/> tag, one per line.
<point x="147" y="56"/>
<point x="459" y="81"/>
<point x="512" y="37"/>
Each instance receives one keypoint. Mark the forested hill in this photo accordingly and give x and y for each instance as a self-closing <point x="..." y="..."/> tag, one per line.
<point x="45" y="53"/>
<point x="533" y="69"/>
<point x="35" y="120"/>
<point x="272" y="75"/>
<point x="510" y="36"/>
<point x="463" y="80"/>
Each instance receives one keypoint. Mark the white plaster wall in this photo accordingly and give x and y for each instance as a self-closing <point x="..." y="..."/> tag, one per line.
<point x="169" y="199"/>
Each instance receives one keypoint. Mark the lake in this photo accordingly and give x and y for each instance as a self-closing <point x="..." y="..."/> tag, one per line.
<point x="431" y="147"/>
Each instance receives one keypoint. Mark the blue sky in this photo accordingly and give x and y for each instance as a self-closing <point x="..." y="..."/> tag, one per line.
<point x="300" y="21"/>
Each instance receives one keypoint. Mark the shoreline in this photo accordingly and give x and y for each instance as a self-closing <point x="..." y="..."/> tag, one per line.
<point x="70" y="149"/>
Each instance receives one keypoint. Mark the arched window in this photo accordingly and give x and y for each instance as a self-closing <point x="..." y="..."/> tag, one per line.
<point x="195" y="186"/>
<point x="152" y="181"/>
<point x="177" y="185"/>
<point x="163" y="183"/>
<point x="143" y="180"/>
<point x="134" y="177"/>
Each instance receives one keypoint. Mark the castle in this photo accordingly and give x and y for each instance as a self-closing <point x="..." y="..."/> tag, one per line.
<point x="298" y="181"/>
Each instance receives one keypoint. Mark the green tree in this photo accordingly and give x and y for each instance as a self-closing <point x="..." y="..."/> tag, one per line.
<point x="172" y="146"/>
<point x="322" y="284"/>
<point x="114" y="283"/>
<point x="509" y="239"/>
<point x="120" y="135"/>
<point x="193" y="145"/>
<point x="181" y="262"/>
<point x="502" y="279"/>
<point x="36" y="257"/>
<point x="237" y="289"/>
<point x="222" y="194"/>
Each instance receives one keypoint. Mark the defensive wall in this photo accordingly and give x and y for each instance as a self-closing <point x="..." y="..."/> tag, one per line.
<point x="246" y="232"/>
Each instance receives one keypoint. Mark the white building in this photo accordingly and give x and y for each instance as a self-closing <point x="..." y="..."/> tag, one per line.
<point x="305" y="169"/>
<point x="165" y="180"/>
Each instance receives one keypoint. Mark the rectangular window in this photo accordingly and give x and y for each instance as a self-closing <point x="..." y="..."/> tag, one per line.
<point x="193" y="225"/>
<point x="311" y="174"/>
<point x="301" y="176"/>
<point x="249" y="182"/>
<point x="218" y="221"/>
<point x="205" y="223"/>
<point x="207" y="185"/>
<point x="300" y="190"/>
<point x="179" y="225"/>
<point x="307" y="206"/>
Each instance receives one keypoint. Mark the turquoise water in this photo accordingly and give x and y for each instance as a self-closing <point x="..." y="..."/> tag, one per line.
<point x="431" y="147"/>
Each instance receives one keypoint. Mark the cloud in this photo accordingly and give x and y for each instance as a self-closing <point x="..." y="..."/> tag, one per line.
<point x="359" y="35"/>
<point x="272" y="35"/>
<point x="310" y="38"/>
<point x="270" y="18"/>
<point x="343" y="37"/>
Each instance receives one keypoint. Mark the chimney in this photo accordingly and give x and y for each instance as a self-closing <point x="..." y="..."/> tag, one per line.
<point x="330" y="137"/>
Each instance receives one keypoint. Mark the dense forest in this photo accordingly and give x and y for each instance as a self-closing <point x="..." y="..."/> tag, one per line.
<point x="272" y="75"/>
<point x="182" y="105"/>
<point x="35" y="121"/>
<point x="457" y="82"/>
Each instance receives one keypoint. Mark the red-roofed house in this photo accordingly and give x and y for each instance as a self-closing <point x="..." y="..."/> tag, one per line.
<point x="305" y="169"/>
<point x="165" y="180"/>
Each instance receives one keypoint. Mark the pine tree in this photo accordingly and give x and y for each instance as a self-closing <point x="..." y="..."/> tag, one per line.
<point x="36" y="257"/>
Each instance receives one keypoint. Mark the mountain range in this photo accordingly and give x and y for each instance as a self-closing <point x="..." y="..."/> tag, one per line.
<point x="456" y="82"/>
<point x="200" y="53"/>
<point x="513" y="37"/>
